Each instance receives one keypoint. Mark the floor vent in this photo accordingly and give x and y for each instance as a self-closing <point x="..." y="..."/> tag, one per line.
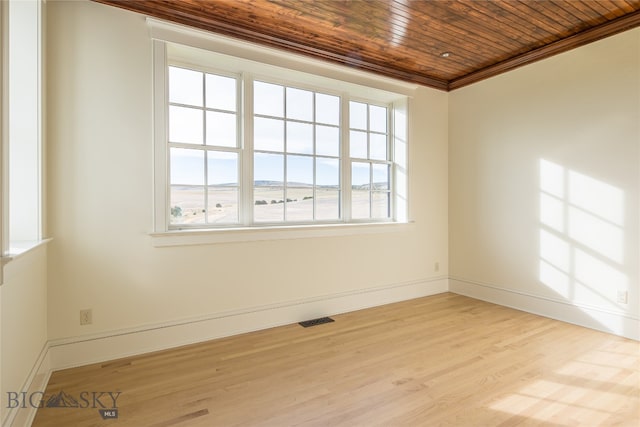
<point x="315" y="322"/>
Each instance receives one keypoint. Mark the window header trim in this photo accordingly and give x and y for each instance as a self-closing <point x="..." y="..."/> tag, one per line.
<point x="242" y="50"/>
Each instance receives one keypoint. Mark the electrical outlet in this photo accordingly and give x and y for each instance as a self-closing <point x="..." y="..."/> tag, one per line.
<point x="436" y="266"/>
<point x="86" y="317"/>
<point x="623" y="297"/>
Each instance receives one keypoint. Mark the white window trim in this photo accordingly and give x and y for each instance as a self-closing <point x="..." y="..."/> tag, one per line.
<point x="22" y="237"/>
<point x="160" y="132"/>
<point x="163" y="33"/>
<point x="284" y="232"/>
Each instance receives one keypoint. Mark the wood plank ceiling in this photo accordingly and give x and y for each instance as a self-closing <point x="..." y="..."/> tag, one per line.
<point x="406" y="39"/>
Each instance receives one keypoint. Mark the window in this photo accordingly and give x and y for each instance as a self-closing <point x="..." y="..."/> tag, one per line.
<point x="250" y="145"/>
<point x="22" y="125"/>
<point x="296" y="154"/>
<point x="370" y="164"/>
<point x="203" y="148"/>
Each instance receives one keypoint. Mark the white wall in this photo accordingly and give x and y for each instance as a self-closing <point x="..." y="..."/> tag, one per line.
<point x="100" y="208"/>
<point x="566" y="245"/>
<point x="23" y="324"/>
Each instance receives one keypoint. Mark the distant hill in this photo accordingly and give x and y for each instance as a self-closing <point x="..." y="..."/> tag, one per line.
<point x="374" y="186"/>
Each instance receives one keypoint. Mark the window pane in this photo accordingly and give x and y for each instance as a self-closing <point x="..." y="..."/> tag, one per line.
<point x="187" y="166"/>
<point x="360" y="184"/>
<point x="380" y="206"/>
<point x="268" y="204"/>
<point x="223" y="205"/>
<point x="327" y="141"/>
<point x="378" y="147"/>
<point x="360" y="175"/>
<point x="300" y="171"/>
<point x="299" y="188"/>
<point x="299" y="205"/>
<point x="187" y="204"/>
<point x="327" y="188"/>
<point x="185" y="86"/>
<point x="187" y="186"/>
<point x="268" y="190"/>
<point x="221" y="92"/>
<point x="221" y="129"/>
<point x="380" y="177"/>
<point x="222" y="169"/>
<point x="377" y="119"/>
<point x="360" y="204"/>
<point x="327" y="204"/>
<point x="299" y="138"/>
<point x="328" y="173"/>
<point x="185" y="125"/>
<point x="327" y="109"/>
<point x="268" y="169"/>
<point x="299" y="104"/>
<point x="357" y="115"/>
<point x="222" y="174"/>
<point x="268" y="99"/>
<point x="268" y="134"/>
<point x="358" y="144"/>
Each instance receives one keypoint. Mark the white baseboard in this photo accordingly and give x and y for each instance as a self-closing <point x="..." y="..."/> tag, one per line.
<point x="84" y="350"/>
<point x="612" y="322"/>
<point x="36" y="382"/>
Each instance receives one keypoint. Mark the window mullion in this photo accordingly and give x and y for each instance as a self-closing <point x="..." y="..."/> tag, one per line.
<point x="390" y="161"/>
<point x="314" y="151"/>
<point x="245" y="95"/>
<point x="345" y="159"/>
<point x="206" y="152"/>
<point x="285" y="187"/>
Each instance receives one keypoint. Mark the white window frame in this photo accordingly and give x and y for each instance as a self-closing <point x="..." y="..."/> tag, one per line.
<point x="249" y="148"/>
<point x="22" y="126"/>
<point x="395" y="100"/>
<point x="238" y="148"/>
<point x="390" y="160"/>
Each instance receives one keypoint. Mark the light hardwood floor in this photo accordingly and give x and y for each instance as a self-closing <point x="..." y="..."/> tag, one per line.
<point x="440" y="360"/>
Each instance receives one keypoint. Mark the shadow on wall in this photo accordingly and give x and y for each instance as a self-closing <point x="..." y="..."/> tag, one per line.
<point x="582" y="238"/>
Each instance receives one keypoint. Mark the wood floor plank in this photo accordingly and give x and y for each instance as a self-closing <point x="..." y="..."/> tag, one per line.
<point x="441" y="360"/>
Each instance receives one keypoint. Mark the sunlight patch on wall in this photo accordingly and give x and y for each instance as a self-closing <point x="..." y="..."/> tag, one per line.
<point x="593" y="196"/>
<point x="592" y="273"/>
<point x="555" y="263"/>
<point x="581" y="237"/>
<point x="602" y="237"/>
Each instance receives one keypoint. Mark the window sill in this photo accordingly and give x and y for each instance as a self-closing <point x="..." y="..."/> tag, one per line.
<point x="252" y="234"/>
<point x="20" y="249"/>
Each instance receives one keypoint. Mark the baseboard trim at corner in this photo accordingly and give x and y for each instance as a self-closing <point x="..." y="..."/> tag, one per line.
<point x="590" y="317"/>
<point x="85" y="350"/>
<point x="36" y="382"/>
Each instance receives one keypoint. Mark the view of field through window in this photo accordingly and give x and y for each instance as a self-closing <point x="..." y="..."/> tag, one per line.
<point x="297" y="172"/>
<point x="296" y="161"/>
